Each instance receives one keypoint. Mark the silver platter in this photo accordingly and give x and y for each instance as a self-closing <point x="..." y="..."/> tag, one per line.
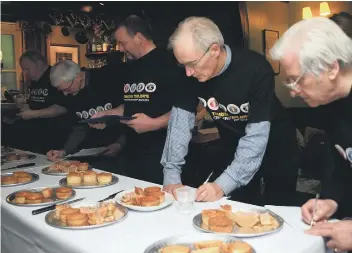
<point x="30" y="157"/>
<point x="51" y="221"/>
<point x="35" y="177"/>
<point x="63" y="182"/>
<point x="197" y="223"/>
<point x="189" y="240"/>
<point x="47" y="172"/>
<point x="38" y="189"/>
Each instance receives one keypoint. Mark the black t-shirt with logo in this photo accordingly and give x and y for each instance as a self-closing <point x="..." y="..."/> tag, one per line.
<point x="243" y="94"/>
<point x="43" y="94"/>
<point x="151" y="86"/>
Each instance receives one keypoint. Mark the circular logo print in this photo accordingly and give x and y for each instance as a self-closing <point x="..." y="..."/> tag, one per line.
<point x="222" y="107"/>
<point x="150" y="87"/>
<point x="133" y="87"/>
<point x="203" y="102"/>
<point x="45" y="92"/>
<point x="245" y="107"/>
<point x="100" y="109"/>
<point x="108" y="106"/>
<point x="92" y="112"/>
<point x="140" y="87"/>
<point x="85" y="115"/>
<point x="35" y="92"/>
<point x="213" y="104"/>
<point x="79" y="114"/>
<point x="233" y="109"/>
<point x="341" y="151"/>
<point x="349" y="154"/>
<point x="126" y="88"/>
<point x="40" y="91"/>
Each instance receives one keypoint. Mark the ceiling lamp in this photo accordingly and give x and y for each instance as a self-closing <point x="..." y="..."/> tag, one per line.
<point x="324" y="9"/>
<point x="307" y="13"/>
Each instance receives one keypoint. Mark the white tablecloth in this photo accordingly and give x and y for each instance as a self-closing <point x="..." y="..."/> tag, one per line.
<point x="23" y="232"/>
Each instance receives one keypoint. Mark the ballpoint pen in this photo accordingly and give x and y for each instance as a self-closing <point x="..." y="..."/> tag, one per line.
<point x="315" y="208"/>
<point x="206" y="181"/>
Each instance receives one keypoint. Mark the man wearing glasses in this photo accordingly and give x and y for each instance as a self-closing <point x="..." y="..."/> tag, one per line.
<point x="237" y="89"/>
<point x="88" y="92"/>
<point x="316" y="56"/>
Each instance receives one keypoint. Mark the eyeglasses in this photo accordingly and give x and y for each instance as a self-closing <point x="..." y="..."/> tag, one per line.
<point x="294" y="85"/>
<point x="68" y="89"/>
<point x="193" y="64"/>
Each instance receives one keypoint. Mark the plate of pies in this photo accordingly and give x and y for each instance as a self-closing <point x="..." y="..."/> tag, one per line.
<point x="18" y="178"/>
<point x="17" y="157"/>
<point x="248" y="223"/>
<point x="86" y="215"/>
<point x="200" y="243"/>
<point x="40" y="196"/>
<point x="88" y="179"/>
<point x="147" y="199"/>
<point x="62" y="168"/>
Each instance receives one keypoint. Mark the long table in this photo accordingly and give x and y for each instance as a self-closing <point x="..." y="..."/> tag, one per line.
<point x="23" y="232"/>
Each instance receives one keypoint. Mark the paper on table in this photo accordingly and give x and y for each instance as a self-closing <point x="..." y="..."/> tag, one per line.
<point x="89" y="152"/>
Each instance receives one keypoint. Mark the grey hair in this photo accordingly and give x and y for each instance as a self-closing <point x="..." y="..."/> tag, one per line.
<point x="318" y="42"/>
<point x="63" y="71"/>
<point x="203" y="30"/>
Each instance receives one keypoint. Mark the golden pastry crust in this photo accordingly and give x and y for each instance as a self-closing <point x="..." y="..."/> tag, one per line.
<point x="76" y="219"/>
<point x="63" y="192"/>
<point x="104" y="178"/>
<point x="159" y="194"/>
<point x="24" y="178"/>
<point x="90" y="177"/>
<point x="175" y="249"/>
<point x="20" y="173"/>
<point x="221" y="224"/>
<point x="237" y="247"/>
<point x="150" y="201"/>
<point x="67" y="211"/>
<point x="8" y="180"/>
<point x="152" y="189"/>
<point x="47" y="193"/>
<point x="74" y="178"/>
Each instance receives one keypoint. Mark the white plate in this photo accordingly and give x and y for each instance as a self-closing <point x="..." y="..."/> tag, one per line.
<point x="169" y="199"/>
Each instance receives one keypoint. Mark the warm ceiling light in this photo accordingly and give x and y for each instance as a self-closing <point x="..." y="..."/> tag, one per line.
<point x="324" y="9"/>
<point x="307" y="13"/>
<point x="87" y="8"/>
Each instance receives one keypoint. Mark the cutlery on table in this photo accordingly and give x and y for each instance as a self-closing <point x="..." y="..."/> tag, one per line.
<point x="110" y="196"/>
<point x="20" y="166"/>
<point x="52" y="207"/>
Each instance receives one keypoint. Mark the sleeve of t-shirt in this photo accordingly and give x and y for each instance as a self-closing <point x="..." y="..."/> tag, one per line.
<point x="57" y="97"/>
<point x="262" y="94"/>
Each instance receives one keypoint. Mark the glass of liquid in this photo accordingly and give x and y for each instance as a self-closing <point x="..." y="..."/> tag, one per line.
<point x="185" y="199"/>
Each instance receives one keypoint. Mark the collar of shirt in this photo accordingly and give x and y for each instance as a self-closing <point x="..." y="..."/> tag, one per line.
<point x="228" y="59"/>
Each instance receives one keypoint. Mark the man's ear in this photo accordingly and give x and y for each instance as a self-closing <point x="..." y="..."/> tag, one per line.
<point x="139" y="38"/>
<point x="333" y="70"/>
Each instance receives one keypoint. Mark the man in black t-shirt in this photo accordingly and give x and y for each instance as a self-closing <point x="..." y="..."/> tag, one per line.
<point x="39" y="115"/>
<point x="316" y="56"/>
<point x="151" y="81"/>
<point x="237" y="89"/>
<point x="88" y="92"/>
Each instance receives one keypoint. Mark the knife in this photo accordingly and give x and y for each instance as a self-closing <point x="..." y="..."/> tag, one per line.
<point x="52" y="207"/>
<point x="110" y="196"/>
<point x="20" y="166"/>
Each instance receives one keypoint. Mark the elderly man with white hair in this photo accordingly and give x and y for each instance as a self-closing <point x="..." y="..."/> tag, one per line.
<point x="316" y="56"/>
<point x="89" y="92"/>
<point x="237" y="89"/>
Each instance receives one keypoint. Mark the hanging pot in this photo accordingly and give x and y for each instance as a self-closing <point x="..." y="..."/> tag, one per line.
<point x="81" y="38"/>
<point x="65" y="31"/>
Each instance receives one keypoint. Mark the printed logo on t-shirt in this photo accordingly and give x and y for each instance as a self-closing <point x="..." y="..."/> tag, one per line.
<point x="133" y="87"/>
<point x="40" y="92"/>
<point x="230" y="112"/>
<point x="45" y="92"/>
<point x="213" y="104"/>
<point x="38" y="95"/>
<point x="108" y="106"/>
<point x="150" y="87"/>
<point x="349" y="155"/>
<point x="92" y="112"/>
<point x="233" y="109"/>
<point x="126" y="88"/>
<point x="140" y="87"/>
<point x="346" y="154"/>
<point x="85" y="115"/>
<point x="143" y="91"/>
<point x="100" y="109"/>
<point x="79" y="114"/>
<point x="222" y="107"/>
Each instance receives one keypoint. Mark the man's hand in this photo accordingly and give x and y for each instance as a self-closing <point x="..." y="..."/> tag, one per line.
<point x="27" y="114"/>
<point x="54" y="155"/>
<point x="340" y="234"/>
<point x="325" y="209"/>
<point x="209" y="192"/>
<point x="141" y="124"/>
<point x="171" y="188"/>
<point x="98" y="125"/>
<point x="113" y="149"/>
